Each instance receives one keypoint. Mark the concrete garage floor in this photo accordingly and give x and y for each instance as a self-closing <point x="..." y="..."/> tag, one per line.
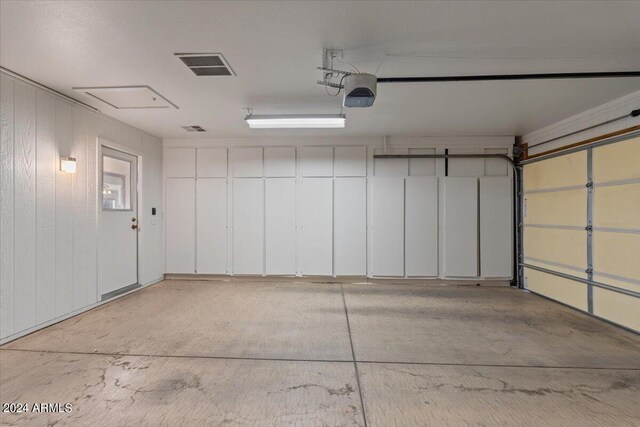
<point x="243" y="352"/>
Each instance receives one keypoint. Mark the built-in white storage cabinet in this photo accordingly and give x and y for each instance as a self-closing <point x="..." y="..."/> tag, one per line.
<point x="316" y="228"/>
<point x="336" y="211"/>
<point x="248" y="226"/>
<point x="181" y="225"/>
<point x="387" y="227"/>
<point x="460" y="226"/>
<point x="350" y="225"/>
<point x="421" y="226"/>
<point x="211" y="225"/>
<point x="280" y="226"/>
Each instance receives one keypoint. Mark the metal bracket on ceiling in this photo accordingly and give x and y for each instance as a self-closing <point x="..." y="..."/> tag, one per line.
<point x="329" y="84"/>
<point x="328" y="72"/>
<point x="329" y="54"/>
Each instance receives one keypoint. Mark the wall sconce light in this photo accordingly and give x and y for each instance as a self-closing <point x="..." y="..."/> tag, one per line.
<point x="68" y="164"/>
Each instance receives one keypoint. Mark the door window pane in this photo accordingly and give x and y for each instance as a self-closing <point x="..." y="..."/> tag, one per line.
<point x="116" y="184"/>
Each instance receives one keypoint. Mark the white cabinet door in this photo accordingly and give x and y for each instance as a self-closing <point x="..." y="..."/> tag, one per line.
<point x="421" y="234"/>
<point x="180" y="225"/>
<point x="317" y="161"/>
<point x="180" y="162"/>
<point x="388" y="227"/>
<point x="248" y="226"/>
<point x="211" y="225"/>
<point x="460" y="226"/>
<point x="211" y="162"/>
<point x="350" y="226"/>
<point x="466" y="167"/>
<point x="391" y="167"/>
<point x="247" y="162"/>
<point x="316" y="209"/>
<point x="350" y="161"/>
<point x="280" y="221"/>
<point x="280" y="161"/>
<point x="496" y="243"/>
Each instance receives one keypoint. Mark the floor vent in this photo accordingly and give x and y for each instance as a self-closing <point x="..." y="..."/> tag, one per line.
<point x="206" y="64"/>
<point x="194" y="128"/>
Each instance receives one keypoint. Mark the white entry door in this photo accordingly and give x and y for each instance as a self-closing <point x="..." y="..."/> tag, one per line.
<point x="118" y="223"/>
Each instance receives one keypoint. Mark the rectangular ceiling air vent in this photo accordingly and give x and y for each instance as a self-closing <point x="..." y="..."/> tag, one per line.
<point x="194" y="128"/>
<point x="206" y="64"/>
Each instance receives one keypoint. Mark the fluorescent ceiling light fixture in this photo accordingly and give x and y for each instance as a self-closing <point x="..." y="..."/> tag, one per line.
<point x="297" y="121"/>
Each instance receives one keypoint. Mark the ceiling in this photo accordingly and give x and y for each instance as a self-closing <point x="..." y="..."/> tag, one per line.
<point x="275" y="47"/>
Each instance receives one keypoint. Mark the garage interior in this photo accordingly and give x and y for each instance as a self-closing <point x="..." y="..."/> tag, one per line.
<point x="182" y="243"/>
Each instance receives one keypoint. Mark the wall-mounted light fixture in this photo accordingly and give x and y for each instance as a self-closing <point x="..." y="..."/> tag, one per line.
<point x="68" y="164"/>
<point x="298" y="121"/>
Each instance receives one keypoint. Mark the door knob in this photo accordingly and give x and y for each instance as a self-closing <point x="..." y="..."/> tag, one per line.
<point x="134" y="226"/>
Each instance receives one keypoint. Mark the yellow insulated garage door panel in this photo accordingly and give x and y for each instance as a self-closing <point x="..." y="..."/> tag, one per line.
<point x="617" y="307"/>
<point x="617" y="254"/>
<point x="562" y="246"/>
<point x="617" y="161"/>
<point x="560" y="289"/>
<point x="555" y="238"/>
<point x="617" y="206"/>
<point x="557" y="208"/>
<point x="564" y="171"/>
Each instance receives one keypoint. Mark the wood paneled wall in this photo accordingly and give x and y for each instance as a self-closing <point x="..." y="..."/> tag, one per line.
<point x="48" y="225"/>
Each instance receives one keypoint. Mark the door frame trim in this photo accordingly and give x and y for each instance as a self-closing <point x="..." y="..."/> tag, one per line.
<point x="102" y="142"/>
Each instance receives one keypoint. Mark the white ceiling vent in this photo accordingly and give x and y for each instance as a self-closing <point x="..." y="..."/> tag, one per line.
<point x="128" y="97"/>
<point x="194" y="128"/>
<point x="207" y="64"/>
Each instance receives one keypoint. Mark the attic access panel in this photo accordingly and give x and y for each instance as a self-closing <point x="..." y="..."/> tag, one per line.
<point x="206" y="64"/>
<point x="128" y="97"/>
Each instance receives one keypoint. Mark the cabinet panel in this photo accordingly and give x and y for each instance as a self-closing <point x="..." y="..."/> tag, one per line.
<point x="316" y="208"/>
<point x="248" y="226"/>
<point x="212" y="162"/>
<point x="461" y="227"/>
<point x="180" y="162"/>
<point x="350" y="226"/>
<point x="421" y="236"/>
<point x="247" y="162"/>
<point x="280" y="161"/>
<point x="391" y="167"/>
<point x="351" y="161"/>
<point x="211" y="225"/>
<point x="388" y="227"/>
<point x="280" y="221"/>
<point x="180" y="225"/>
<point x="422" y="167"/>
<point x="466" y="167"/>
<point x="317" y="161"/>
<point x="496" y="241"/>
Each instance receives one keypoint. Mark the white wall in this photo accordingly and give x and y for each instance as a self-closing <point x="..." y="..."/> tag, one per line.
<point x="593" y="116"/>
<point x="48" y="230"/>
<point x="313" y="206"/>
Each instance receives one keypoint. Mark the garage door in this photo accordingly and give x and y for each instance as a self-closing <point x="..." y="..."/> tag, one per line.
<point x="582" y="228"/>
